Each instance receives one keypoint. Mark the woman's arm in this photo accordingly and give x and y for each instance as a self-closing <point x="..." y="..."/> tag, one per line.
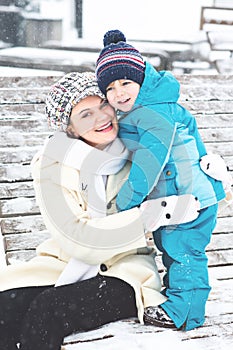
<point x="66" y="218"/>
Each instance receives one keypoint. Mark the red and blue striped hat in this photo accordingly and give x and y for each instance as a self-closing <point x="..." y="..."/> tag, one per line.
<point x="118" y="60"/>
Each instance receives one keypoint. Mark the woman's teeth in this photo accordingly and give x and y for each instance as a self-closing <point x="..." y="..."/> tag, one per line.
<point x="104" y="126"/>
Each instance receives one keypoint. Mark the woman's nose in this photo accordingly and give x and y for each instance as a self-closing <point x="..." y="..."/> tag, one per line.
<point x="101" y="115"/>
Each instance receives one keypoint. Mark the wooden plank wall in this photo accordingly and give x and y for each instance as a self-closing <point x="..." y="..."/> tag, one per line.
<point x="23" y="128"/>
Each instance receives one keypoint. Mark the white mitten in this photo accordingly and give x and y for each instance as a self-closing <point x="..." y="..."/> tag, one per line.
<point x="171" y="210"/>
<point x="215" y="166"/>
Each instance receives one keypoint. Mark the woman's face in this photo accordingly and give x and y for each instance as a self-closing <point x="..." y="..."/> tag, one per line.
<point x="95" y="121"/>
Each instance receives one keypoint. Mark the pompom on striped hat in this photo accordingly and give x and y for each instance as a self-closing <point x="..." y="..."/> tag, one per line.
<point x="118" y="60"/>
<point x="66" y="93"/>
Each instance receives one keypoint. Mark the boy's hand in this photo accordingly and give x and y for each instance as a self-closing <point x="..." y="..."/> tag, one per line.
<point x="171" y="210"/>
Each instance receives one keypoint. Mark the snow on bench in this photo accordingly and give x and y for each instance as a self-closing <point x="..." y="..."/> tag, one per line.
<point x="23" y="128"/>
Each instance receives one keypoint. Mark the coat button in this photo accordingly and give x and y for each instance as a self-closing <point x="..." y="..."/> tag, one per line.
<point x="164" y="203"/>
<point x="103" y="267"/>
<point x="109" y="205"/>
<point x="168" y="173"/>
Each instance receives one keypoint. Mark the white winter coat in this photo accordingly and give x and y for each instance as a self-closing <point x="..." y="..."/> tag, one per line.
<point x="130" y="260"/>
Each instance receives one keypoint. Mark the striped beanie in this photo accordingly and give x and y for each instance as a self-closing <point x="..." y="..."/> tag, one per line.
<point x="66" y="93"/>
<point x="118" y="60"/>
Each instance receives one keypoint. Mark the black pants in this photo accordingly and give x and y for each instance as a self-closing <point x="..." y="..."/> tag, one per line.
<point x="40" y="317"/>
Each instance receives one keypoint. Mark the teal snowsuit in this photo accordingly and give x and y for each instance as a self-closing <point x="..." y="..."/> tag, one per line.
<point x="166" y="148"/>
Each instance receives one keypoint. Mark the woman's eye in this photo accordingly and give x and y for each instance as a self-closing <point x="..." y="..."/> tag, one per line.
<point x="109" y="89"/>
<point x="105" y="103"/>
<point x="85" y="115"/>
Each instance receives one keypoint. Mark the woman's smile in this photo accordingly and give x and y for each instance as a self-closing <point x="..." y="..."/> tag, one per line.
<point x="105" y="128"/>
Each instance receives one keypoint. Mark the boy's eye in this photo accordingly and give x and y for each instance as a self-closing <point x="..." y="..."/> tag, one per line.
<point x="126" y="82"/>
<point x="108" y="89"/>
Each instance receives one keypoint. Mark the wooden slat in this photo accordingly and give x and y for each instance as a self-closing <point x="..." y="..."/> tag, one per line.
<point x="16" y="257"/>
<point x="218" y="81"/>
<point x="220" y="257"/>
<point x="18" y="154"/>
<point x="215" y="259"/>
<point x="224" y="224"/>
<point x="25" y="154"/>
<point x="31" y="223"/>
<point x="213" y="120"/>
<point x="196" y="107"/>
<point x="24" y="241"/>
<point x="21" y="110"/>
<point x="196" y="87"/>
<point x="17" y="139"/>
<point x="35" y="223"/>
<point x="28" y="82"/>
<point x="221" y="241"/>
<point x="22" y="224"/>
<point x="18" y="206"/>
<point x="207" y="93"/>
<point x="209" y="107"/>
<point x="223" y="148"/>
<point x="220" y="273"/>
<point x="14" y="172"/>
<point x="216" y="134"/>
<point x="200" y="92"/>
<point x="17" y="189"/>
<point x="23" y="95"/>
<point x="186" y="81"/>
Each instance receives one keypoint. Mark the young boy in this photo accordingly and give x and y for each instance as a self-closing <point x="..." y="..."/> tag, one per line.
<point x="166" y="150"/>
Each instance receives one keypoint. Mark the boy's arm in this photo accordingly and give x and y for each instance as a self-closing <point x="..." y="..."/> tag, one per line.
<point x="190" y="121"/>
<point x="151" y="149"/>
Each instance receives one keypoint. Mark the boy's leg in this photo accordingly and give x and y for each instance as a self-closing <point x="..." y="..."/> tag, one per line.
<point x="186" y="281"/>
<point x="13" y="306"/>
<point x="80" y="306"/>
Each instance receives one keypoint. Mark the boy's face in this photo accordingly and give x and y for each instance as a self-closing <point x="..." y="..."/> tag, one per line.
<point x="122" y="94"/>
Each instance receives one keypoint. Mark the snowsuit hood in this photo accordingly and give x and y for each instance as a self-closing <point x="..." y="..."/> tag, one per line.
<point x="158" y="87"/>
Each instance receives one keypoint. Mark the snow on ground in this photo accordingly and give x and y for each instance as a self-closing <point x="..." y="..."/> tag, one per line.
<point x="123" y="339"/>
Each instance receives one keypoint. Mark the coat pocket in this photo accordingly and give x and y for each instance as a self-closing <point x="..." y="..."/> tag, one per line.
<point x="166" y="185"/>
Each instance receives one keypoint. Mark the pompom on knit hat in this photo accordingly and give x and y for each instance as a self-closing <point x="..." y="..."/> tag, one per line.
<point x="66" y="93"/>
<point x="118" y="60"/>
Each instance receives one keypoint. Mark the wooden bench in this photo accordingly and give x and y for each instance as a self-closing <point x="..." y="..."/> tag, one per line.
<point x="68" y="58"/>
<point x="217" y="22"/>
<point x="23" y="128"/>
<point x="216" y="17"/>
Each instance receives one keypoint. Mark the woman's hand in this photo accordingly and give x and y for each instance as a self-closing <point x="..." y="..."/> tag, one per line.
<point x="171" y="210"/>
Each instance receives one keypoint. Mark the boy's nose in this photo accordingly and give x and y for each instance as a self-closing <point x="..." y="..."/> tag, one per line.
<point x="119" y="92"/>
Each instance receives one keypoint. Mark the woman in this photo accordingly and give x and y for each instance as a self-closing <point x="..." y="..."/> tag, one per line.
<point x="113" y="271"/>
